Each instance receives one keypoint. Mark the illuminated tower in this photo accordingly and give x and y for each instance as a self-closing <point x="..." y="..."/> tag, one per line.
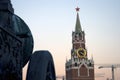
<point x="79" y="67"/>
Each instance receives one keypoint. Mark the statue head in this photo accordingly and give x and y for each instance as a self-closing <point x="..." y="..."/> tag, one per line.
<point x="5" y="5"/>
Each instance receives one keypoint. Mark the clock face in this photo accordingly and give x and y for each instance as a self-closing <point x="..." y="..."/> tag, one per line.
<point x="81" y="53"/>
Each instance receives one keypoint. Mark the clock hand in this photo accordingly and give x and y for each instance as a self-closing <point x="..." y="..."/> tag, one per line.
<point x="81" y="53"/>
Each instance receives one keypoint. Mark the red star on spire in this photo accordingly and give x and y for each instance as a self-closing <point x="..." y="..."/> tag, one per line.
<point x="77" y="9"/>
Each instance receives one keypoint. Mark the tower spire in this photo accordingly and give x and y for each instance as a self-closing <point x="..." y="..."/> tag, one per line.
<point x="78" y="28"/>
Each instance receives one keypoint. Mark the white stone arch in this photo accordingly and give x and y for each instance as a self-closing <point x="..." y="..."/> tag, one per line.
<point x="83" y="63"/>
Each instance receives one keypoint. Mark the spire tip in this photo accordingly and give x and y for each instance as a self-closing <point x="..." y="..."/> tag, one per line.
<point x="77" y="9"/>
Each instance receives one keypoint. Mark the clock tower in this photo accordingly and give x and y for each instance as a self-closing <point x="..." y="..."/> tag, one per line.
<point x="79" y="67"/>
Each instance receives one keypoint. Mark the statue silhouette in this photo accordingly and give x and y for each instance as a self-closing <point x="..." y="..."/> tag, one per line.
<point x="16" y="48"/>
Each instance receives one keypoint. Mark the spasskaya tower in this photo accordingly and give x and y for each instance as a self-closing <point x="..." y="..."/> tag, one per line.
<point x="79" y="67"/>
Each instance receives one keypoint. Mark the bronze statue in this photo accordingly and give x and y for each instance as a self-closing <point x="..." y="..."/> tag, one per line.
<point x="16" y="48"/>
<point x="17" y="26"/>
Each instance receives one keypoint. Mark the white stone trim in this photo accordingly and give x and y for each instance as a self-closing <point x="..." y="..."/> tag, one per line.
<point x="83" y="63"/>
